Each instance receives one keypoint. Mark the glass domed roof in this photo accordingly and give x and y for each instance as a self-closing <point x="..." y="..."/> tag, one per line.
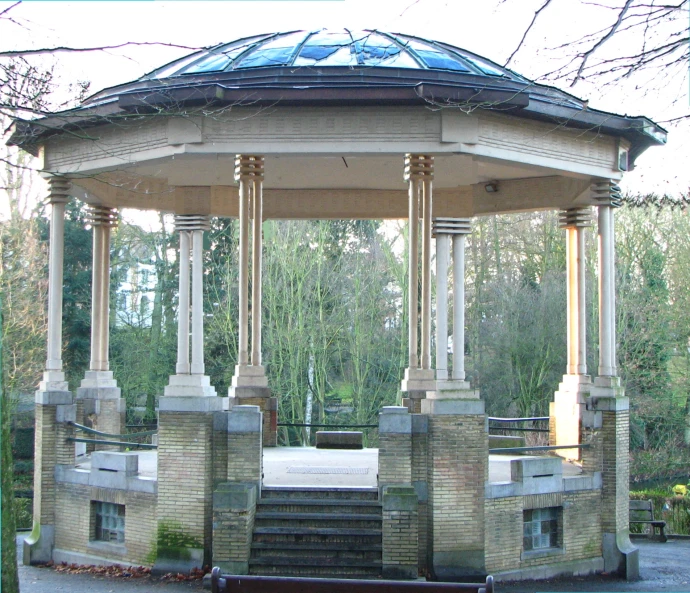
<point x="328" y="48"/>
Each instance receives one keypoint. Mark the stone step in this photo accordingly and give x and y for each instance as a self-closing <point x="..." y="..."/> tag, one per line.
<point x="313" y="561"/>
<point x="341" y="572"/>
<point x="298" y="520"/>
<point x="371" y="552"/>
<point x="319" y="493"/>
<point x="311" y="505"/>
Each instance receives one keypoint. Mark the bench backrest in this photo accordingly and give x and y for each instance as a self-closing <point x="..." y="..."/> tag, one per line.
<point x="221" y="583"/>
<point x="640" y="508"/>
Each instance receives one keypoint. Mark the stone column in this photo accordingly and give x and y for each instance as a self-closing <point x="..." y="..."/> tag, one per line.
<point x="419" y="376"/>
<point x="608" y="418"/>
<point x="457" y="229"/>
<point x="569" y="401"/>
<point x="54" y="402"/>
<point x="99" y="400"/>
<point x="185" y="426"/>
<point x="190" y="380"/>
<point x="249" y="384"/>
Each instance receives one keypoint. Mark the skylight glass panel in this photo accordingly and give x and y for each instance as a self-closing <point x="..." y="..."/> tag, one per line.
<point x="277" y="52"/>
<point x="435" y="58"/>
<point x="486" y="67"/>
<point x="175" y="67"/>
<point x="211" y="63"/>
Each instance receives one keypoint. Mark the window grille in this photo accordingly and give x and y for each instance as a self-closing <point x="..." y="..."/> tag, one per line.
<point x="110" y="522"/>
<point x="540" y="529"/>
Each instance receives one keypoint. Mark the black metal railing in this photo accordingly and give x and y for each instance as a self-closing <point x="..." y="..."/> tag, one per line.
<point x="109" y="436"/>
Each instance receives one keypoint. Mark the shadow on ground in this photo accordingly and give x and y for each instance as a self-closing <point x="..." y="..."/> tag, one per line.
<point x="663" y="567"/>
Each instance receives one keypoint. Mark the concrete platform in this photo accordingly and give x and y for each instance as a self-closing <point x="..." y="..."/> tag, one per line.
<point x="308" y="466"/>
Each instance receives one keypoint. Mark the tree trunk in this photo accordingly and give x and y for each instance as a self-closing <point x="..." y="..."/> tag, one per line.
<point x="10" y="579"/>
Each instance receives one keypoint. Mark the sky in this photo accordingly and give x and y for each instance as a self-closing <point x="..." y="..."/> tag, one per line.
<point x="491" y="28"/>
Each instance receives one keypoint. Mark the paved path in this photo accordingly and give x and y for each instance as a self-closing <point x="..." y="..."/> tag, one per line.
<point x="664" y="567"/>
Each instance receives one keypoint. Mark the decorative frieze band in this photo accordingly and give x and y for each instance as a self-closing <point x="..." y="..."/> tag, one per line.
<point x="575" y="218"/>
<point x="418" y="166"/>
<point x="451" y="226"/>
<point x="102" y="216"/>
<point x="249" y="167"/>
<point x="58" y="190"/>
<point x="192" y="222"/>
<point x="607" y="193"/>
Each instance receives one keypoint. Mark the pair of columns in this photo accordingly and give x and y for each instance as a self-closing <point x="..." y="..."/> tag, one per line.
<point x="606" y="195"/>
<point x="102" y="220"/>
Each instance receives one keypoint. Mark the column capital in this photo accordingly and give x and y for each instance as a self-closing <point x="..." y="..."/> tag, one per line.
<point x="192" y="222"/>
<point x="451" y="226"/>
<point x="59" y="189"/>
<point x="102" y="216"/>
<point x="575" y="218"/>
<point x="249" y="167"/>
<point x="606" y="193"/>
<point x="418" y="166"/>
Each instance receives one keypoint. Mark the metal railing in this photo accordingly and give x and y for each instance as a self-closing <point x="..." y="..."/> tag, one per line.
<point x="109" y="436"/>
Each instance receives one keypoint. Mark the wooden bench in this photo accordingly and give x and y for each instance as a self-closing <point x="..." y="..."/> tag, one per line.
<point x="642" y="512"/>
<point x="339" y="439"/>
<point x="222" y="583"/>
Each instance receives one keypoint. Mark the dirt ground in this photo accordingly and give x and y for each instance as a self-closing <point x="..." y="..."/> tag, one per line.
<point x="663" y="567"/>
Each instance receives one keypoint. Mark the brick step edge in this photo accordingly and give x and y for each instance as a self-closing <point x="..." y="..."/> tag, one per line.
<point x="314" y="562"/>
<point x="317" y="502"/>
<point x="325" y="546"/>
<point x="287" y="516"/>
<point x="315" y="531"/>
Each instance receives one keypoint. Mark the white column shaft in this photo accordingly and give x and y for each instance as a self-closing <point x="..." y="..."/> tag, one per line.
<point x="426" y="273"/>
<point x="182" y="367"/>
<point x="612" y="290"/>
<point x="96" y="297"/>
<point x="581" y="303"/>
<point x="55" y="278"/>
<point x="243" y="357"/>
<point x="257" y="214"/>
<point x="413" y="279"/>
<point x="197" y="302"/>
<point x="442" y="252"/>
<point x="606" y="328"/>
<point x="458" y="308"/>
<point x="573" y="292"/>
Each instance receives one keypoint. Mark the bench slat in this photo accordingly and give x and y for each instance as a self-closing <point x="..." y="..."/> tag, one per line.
<point x="221" y="583"/>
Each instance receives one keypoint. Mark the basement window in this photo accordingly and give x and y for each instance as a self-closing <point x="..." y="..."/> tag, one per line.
<point x="110" y="522"/>
<point x="540" y="529"/>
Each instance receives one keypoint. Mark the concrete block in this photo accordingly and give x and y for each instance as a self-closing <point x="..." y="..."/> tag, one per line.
<point x="549" y="571"/>
<point x="66" y="413"/>
<point x="453" y="407"/>
<point x="178" y="403"/>
<point x="184" y="562"/>
<point x="108" y="479"/>
<point x="573" y="483"/>
<point x="142" y="484"/>
<point x="54" y="398"/>
<point x="38" y="545"/>
<point x="115" y="462"/>
<point x="609" y="404"/>
<point x="99" y="393"/>
<point x="420" y="424"/>
<point x="535" y="467"/>
<point x="399" y="498"/>
<point x="395" y="420"/>
<point x="592" y="419"/>
<point x="422" y="490"/>
<point x="71" y="475"/>
<point x="458" y="565"/>
<point x="339" y="439"/>
<point x="502" y="489"/>
<point x="245" y="419"/>
<point x="235" y="497"/>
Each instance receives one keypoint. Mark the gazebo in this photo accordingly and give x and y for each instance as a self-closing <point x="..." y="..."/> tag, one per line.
<point x="330" y="125"/>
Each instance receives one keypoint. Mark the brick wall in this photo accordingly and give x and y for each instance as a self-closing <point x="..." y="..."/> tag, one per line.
<point x="395" y="458"/>
<point x="420" y="470"/>
<point x="616" y="471"/>
<point x="75" y="525"/>
<point x="245" y="459"/>
<point x="579" y="525"/>
<point x="185" y="472"/>
<point x="44" y="465"/>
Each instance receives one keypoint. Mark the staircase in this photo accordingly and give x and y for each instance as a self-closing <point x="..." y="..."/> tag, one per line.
<point x="317" y="532"/>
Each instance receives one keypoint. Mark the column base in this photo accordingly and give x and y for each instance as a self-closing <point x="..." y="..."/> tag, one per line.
<point x="189" y="386"/>
<point x="607" y="386"/>
<point x="53" y="381"/>
<point x="454" y="389"/>
<point x="621" y="556"/>
<point x="566" y="413"/>
<point x="98" y="385"/>
<point x="38" y="545"/>
<point x="250" y="388"/>
<point x="418" y="380"/>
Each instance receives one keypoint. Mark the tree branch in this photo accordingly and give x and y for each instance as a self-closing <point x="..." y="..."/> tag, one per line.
<point x="527" y="30"/>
